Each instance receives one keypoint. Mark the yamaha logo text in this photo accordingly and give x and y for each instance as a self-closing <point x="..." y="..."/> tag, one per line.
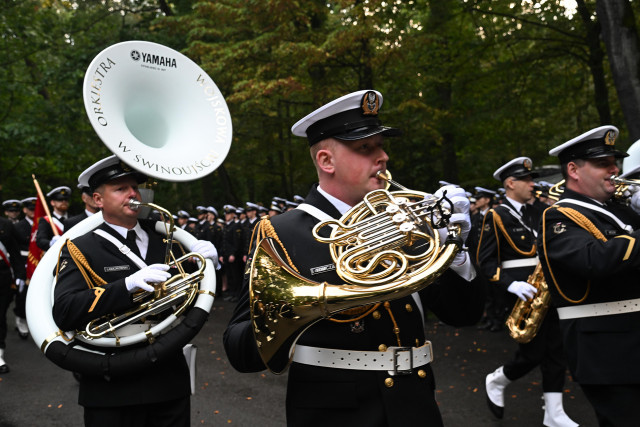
<point x="152" y="59"/>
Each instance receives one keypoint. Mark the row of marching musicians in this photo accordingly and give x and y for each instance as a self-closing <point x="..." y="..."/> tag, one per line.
<point x="371" y="365"/>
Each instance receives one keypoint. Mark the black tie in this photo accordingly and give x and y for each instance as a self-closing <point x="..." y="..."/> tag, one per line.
<point x="131" y="242"/>
<point x="525" y="217"/>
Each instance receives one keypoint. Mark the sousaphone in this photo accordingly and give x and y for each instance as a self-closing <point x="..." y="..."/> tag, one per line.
<point x="162" y="115"/>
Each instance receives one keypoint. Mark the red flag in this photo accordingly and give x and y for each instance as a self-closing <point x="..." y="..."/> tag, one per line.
<point x="35" y="253"/>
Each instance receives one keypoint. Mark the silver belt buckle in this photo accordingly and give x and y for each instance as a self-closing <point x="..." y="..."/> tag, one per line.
<point x="397" y="371"/>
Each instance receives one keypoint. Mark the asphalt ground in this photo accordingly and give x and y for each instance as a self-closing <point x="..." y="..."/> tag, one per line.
<point x="38" y="393"/>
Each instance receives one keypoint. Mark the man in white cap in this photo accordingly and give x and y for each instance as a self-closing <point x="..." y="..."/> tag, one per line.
<point x="12" y="208"/>
<point x="127" y="255"/>
<point x="507" y="255"/>
<point x="346" y="145"/>
<point x="591" y="261"/>
<point x="59" y="200"/>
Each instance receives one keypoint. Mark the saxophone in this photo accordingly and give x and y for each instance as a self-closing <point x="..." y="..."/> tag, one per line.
<point x="527" y="316"/>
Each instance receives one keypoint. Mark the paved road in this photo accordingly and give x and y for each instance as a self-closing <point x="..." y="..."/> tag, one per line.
<point x="38" y="393"/>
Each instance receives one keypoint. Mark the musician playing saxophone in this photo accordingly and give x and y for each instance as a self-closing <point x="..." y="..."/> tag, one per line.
<point x="507" y="256"/>
<point x="330" y="383"/>
<point x="160" y="394"/>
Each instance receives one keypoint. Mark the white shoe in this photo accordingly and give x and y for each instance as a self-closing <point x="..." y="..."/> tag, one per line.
<point x="495" y="384"/>
<point x="22" y="327"/>
<point x="554" y="415"/>
<point x="4" y="368"/>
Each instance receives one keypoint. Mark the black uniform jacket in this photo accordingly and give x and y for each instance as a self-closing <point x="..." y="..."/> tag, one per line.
<point x="10" y="240"/>
<point x="45" y="232"/>
<point x="362" y="394"/>
<point x="75" y="304"/>
<point x="583" y="269"/>
<point x="505" y="237"/>
<point x="75" y="220"/>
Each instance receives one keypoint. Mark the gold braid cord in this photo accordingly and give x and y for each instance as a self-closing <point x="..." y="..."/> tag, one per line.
<point x="90" y="276"/>
<point x="583" y="222"/>
<point x="497" y="221"/>
<point x="265" y="229"/>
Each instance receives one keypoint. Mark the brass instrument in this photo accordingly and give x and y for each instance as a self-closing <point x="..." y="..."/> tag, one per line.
<point x="622" y="187"/>
<point x="384" y="248"/>
<point x="526" y="317"/>
<point x="177" y="293"/>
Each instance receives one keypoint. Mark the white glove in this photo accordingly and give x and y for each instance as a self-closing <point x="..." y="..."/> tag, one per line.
<point x="53" y="240"/>
<point x="207" y="250"/>
<point x="635" y="201"/>
<point x="460" y="208"/>
<point x="523" y="290"/>
<point x="20" y="284"/>
<point x="153" y="273"/>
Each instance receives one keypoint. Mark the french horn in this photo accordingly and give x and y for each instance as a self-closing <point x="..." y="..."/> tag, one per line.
<point x="162" y="115"/>
<point x="384" y="248"/>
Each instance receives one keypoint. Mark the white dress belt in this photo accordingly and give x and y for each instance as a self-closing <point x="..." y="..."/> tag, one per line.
<point x="396" y="360"/>
<point x="523" y="262"/>
<point x="600" y="309"/>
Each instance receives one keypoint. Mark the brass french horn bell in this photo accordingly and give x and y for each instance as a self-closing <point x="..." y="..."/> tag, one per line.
<point x="384" y="248"/>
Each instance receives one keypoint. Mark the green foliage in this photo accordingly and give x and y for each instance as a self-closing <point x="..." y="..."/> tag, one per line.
<point x="471" y="83"/>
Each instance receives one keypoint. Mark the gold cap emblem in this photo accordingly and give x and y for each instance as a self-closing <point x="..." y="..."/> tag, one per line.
<point x="527" y="164"/>
<point x="370" y="104"/>
<point x="125" y="167"/>
<point x="610" y="138"/>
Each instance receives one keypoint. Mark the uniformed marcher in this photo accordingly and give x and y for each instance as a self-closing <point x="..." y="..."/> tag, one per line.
<point x="182" y="219"/>
<point x="507" y="255"/>
<point x="23" y="229"/>
<point x="12" y="208"/>
<point x="160" y="394"/>
<point x="90" y="208"/>
<point x="591" y="261"/>
<point x="12" y="274"/>
<point x="346" y="146"/>
<point x="59" y="200"/>
<point x="274" y="209"/>
<point x="251" y="210"/>
<point x="230" y="248"/>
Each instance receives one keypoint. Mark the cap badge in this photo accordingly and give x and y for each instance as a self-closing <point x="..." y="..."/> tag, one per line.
<point x="610" y="138"/>
<point x="527" y="164"/>
<point x="125" y="167"/>
<point x="370" y="104"/>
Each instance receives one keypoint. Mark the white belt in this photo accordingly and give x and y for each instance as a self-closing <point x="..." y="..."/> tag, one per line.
<point x="601" y="309"/>
<point x="523" y="262"/>
<point x="24" y="253"/>
<point x="396" y="360"/>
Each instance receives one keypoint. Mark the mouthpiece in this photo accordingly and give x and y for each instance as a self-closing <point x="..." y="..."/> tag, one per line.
<point x="134" y="204"/>
<point x="386" y="176"/>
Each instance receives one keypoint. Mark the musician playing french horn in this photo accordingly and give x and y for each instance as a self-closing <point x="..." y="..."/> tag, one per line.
<point x="507" y="256"/>
<point x="159" y="394"/>
<point x="329" y="381"/>
<point x="591" y="260"/>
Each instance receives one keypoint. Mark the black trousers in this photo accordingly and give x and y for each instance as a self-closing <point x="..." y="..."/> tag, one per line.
<point x="615" y="405"/>
<point x="6" y="297"/>
<point x="544" y="350"/>
<point x="174" y="413"/>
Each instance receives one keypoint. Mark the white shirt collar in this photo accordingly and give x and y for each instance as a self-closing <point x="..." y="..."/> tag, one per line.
<point x="341" y="206"/>
<point x="516" y="205"/>
<point x="142" y="238"/>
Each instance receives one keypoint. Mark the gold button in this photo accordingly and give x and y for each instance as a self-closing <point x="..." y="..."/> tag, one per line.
<point x="382" y="347"/>
<point x="388" y="382"/>
<point x="376" y="314"/>
<point x="521" y="237"/>
<point x="422" y="373"/>
<point x="409" y="308"/>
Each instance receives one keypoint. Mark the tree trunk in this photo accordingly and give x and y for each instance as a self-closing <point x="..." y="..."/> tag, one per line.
<point x="621" y="39"/>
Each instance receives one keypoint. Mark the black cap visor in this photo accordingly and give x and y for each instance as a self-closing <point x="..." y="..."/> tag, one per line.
<point x="366" y="132"/>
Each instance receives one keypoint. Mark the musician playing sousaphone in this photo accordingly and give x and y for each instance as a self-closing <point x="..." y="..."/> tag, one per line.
<point x="507" y="256"/>
<point x="98" y="274"/>
<point x="333" y="379"/>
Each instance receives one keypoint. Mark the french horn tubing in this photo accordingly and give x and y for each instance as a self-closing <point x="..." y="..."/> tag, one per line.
<point x="384" y="248"/>
<point x="162" y="115"/>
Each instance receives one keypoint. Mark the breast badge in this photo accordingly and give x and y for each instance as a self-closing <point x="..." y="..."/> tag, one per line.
<point x="559" y="228"/>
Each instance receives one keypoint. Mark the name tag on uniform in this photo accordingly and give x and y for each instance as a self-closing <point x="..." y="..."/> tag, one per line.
<point x="518" y="229"/>
<point x="611" y="232"/>
<point x="322" y="269"/>
<point x="116" y="268"/>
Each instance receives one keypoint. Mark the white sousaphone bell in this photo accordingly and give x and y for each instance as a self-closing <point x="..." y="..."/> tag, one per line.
<point x="162" y="115"/>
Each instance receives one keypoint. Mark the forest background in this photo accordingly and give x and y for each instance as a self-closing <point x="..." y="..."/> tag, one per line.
<point x="472" y="83"/>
